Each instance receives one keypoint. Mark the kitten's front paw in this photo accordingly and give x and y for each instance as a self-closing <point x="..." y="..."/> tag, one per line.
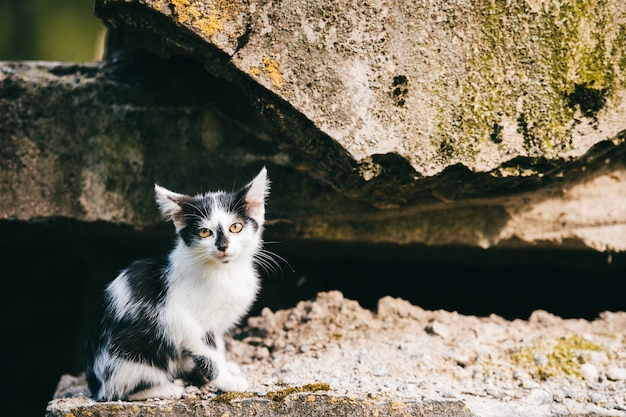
<point x="233" y="368"/>
<point x="173" y="390"/>
<point x="228" y="382"/>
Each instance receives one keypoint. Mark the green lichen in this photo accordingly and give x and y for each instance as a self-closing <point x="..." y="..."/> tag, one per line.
<point x="564" y="357"/>
<point x="530" y="65"/>
<point x="278" y="395"/>
<point x="229" y="397"/>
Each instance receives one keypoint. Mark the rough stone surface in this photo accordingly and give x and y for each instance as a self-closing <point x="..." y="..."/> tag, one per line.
<point x="87" y="142"/>
<point x="329" y="356"/>
<point x="477" y="83"/>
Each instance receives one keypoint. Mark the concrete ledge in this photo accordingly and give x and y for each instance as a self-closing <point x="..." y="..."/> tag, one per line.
<point x="292" y="404"/>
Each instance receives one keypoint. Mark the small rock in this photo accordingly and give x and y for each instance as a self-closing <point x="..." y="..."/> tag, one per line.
<point x="379" y="371"/>
<point x="408" y="388"/>
<point x="597" y="398"/>
<point x="447" y="392"/>
<point x="291" y="322"/>
<point x="539" y="397"/>
<point x="493" y="392"/>
<point x="558" y="397"/>
<point x="577" y="396"/>
<point x="615" y="373"/>
<point x="262" y="353"/>
<point x="589" y="372"/>
<point x="541" y="359"/>
<point x="438" y="329"/>
<point x="362" y="358"/>
<point x="519" y="375"/>
<point x="598" y="358"/>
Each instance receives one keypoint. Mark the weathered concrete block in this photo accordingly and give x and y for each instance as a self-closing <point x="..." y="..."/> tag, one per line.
<point x="475" y="83"/>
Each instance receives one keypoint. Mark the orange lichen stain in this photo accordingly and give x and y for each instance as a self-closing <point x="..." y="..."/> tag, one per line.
<point x="180" y="9"/>
<point x="271" y="68"/>
<point x="254" y="71"/>
<point x="207" y="17"/>
<point x="396" y="405"/>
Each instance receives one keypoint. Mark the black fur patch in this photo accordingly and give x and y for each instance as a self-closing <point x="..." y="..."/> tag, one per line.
<point x="192" y="214"/>
<point x="146" y="279"/>
<point x="138" y="337"/>
<point x="221" y="240"/>
<point x="206" y="366"/>
<point x="240" y="207"/>
<point x="209" y="340"/>
<point x="138" y="388"/>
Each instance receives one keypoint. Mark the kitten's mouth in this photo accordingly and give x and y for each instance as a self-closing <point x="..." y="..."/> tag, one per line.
<point x="224" y="257"/>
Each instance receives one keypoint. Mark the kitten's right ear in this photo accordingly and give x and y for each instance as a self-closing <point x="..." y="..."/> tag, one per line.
<point x="170" y="204"/>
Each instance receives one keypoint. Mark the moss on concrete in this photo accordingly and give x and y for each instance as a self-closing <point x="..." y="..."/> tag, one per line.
<point x="560" y="357"/>
<point x="536" y="66"/>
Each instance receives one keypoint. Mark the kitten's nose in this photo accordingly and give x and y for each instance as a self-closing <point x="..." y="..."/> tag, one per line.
<point x="221" y="242"/>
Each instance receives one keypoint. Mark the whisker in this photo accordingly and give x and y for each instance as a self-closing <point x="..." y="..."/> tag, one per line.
<point x="269" y="261"/>
<point x="279" y="257"/>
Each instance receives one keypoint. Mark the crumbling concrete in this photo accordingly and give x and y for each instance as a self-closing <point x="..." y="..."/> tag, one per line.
<point x="87" y="142"/>
<point x="329" y="356"/>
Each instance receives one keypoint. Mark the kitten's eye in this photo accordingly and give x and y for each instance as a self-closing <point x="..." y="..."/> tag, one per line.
<point x="204" y="233"/>
<point x="235" y="227"/>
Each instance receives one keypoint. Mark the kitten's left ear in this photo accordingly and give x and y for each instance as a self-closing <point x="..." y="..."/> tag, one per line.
<point x="256" y="192"/>
<point x="170" y="205"/>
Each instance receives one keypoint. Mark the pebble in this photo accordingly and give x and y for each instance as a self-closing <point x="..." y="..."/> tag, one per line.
<point x="408" y="387"/>
<point x="262" y="353"/>
<point x="597" y="398"/>
<point x="577" y="396"/>
<point x="616" y="374"/>
<point x="362" y="358"/>
<point x="541" y="359"/>
<point x="438" y="329"/>
<point x="379" y="371"/>
<point x="589" y="372"/>
<point x="539" y="397"/>
<point x="291" y="322"/>
<point x="525" y="380"/>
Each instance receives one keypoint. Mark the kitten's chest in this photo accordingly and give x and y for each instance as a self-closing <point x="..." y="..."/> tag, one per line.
<point x="216" y="301"/>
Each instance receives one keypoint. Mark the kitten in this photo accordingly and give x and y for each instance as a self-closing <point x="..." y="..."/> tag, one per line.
<point x="165" y="320"/>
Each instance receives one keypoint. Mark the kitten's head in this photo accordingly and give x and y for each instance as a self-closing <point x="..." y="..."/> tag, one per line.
<point x="218" y="226"/>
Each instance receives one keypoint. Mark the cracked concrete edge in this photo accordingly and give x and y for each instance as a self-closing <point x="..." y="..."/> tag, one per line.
<point x="313" y="404"/>
<point x="305" y="403"/>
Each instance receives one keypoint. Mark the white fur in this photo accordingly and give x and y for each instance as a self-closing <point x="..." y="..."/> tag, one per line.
<point x="120" y="297"/>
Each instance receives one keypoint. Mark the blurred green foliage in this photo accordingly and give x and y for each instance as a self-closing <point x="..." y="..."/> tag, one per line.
<point x="51" y="30"/>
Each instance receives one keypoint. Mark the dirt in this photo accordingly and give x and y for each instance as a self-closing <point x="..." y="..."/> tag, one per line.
<point x="543" y="366"/>
<point x="404" y="352"/>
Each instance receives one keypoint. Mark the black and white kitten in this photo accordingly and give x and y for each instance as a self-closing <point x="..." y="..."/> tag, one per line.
<point x="165" y="320"/>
